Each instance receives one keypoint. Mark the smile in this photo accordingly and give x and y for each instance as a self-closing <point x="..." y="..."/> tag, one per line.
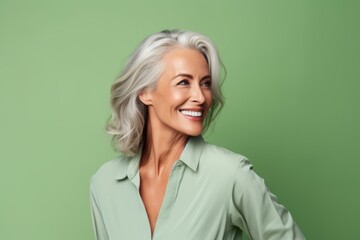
<point x="192" y="113"/>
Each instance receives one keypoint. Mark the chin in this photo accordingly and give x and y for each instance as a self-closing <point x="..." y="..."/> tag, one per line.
<point x="193" y="129"/>
<point x="193" y="132"/>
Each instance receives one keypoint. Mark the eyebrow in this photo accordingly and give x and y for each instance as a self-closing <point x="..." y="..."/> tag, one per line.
<point x="190" y="76"/>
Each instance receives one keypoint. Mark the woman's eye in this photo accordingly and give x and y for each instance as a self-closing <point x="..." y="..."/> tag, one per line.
<point x="206" y="84"/>
<point x="183" y="82"/>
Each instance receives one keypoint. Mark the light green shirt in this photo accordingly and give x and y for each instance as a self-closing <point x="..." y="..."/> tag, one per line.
<point x="212" y="194"/>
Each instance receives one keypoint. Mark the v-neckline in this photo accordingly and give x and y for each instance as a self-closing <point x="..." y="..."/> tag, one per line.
<point x="163" y="203"/>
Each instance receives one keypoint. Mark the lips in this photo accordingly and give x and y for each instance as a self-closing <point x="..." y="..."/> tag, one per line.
<point x="192" y="113"/>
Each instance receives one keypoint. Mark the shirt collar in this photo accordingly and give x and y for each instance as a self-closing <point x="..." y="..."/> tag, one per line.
<point x="129" y="166"/>
<point x="192" y="152"/>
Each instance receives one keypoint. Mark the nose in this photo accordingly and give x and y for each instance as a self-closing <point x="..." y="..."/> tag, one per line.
<point x="197" y="95"/>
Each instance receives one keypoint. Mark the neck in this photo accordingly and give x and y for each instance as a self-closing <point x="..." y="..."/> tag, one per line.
<point x="162" y="148"/>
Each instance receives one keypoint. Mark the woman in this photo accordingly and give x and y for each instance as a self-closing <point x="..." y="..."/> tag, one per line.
<point x="168" y="183"/>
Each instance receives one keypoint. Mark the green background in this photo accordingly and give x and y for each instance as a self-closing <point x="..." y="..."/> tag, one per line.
<point x="292" y="103"/>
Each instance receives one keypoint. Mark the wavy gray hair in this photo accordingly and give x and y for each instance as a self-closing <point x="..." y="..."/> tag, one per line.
<point x="142" y="71"/>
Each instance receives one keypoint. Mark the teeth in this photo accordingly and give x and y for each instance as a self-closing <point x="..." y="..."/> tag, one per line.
<point x="191" y="113"/>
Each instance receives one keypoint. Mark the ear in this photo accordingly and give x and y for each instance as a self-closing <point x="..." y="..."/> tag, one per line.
<point x="145" y="98"/>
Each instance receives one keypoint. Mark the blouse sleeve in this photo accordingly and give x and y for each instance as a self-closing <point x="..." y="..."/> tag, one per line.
<point x="97" y="219"/>
<point x="256" y="211"/>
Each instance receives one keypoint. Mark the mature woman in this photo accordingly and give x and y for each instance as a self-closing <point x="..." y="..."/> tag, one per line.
<point x="169" y="183"/>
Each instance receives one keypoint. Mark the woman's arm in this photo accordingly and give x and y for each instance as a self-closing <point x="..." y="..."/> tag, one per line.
<point x="255" y="210"/>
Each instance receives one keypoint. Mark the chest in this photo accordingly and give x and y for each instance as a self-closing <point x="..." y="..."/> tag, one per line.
<point x="152" y="192"/>
<point x="185" y="206"/>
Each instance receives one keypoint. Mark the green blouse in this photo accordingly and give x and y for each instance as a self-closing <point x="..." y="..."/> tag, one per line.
<point x="212" y="194"/>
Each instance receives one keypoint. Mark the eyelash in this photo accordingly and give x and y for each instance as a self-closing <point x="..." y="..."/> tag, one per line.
<point x="182" y="82"/>
<point x="206" y="83"/>
<point x="186" y="82"/>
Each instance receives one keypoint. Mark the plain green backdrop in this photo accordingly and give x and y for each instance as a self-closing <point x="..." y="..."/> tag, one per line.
<point x="292" y="103"/>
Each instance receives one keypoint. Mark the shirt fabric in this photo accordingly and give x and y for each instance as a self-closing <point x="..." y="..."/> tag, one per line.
<point x="212" y="194"/>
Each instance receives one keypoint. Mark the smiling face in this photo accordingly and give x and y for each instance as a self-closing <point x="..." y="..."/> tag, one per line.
<point x="182" y="96"/>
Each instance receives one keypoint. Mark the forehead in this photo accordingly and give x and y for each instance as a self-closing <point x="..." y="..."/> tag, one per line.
<point x="185" y="60"/>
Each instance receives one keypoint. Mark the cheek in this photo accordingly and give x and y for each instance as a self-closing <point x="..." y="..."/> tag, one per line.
<point x="209" y="98"/>
<point x="176" y="97"/>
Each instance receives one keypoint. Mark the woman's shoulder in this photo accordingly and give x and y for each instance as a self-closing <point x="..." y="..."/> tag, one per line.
<point x="216" y="152"/>
<point x="110" y="169"/>
<point x="223" y="159"/>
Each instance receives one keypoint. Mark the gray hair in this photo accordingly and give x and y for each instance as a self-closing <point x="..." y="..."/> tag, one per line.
<point x="142" y="71"/>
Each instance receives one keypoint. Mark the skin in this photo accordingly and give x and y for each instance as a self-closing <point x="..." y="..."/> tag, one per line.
<point x="183" y="85"/>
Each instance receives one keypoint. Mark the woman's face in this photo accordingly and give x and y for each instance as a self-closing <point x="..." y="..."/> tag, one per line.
<point x="182" y="96"/>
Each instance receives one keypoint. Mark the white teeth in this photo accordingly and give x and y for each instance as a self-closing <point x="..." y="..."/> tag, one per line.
<point x="191" y="113"/>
